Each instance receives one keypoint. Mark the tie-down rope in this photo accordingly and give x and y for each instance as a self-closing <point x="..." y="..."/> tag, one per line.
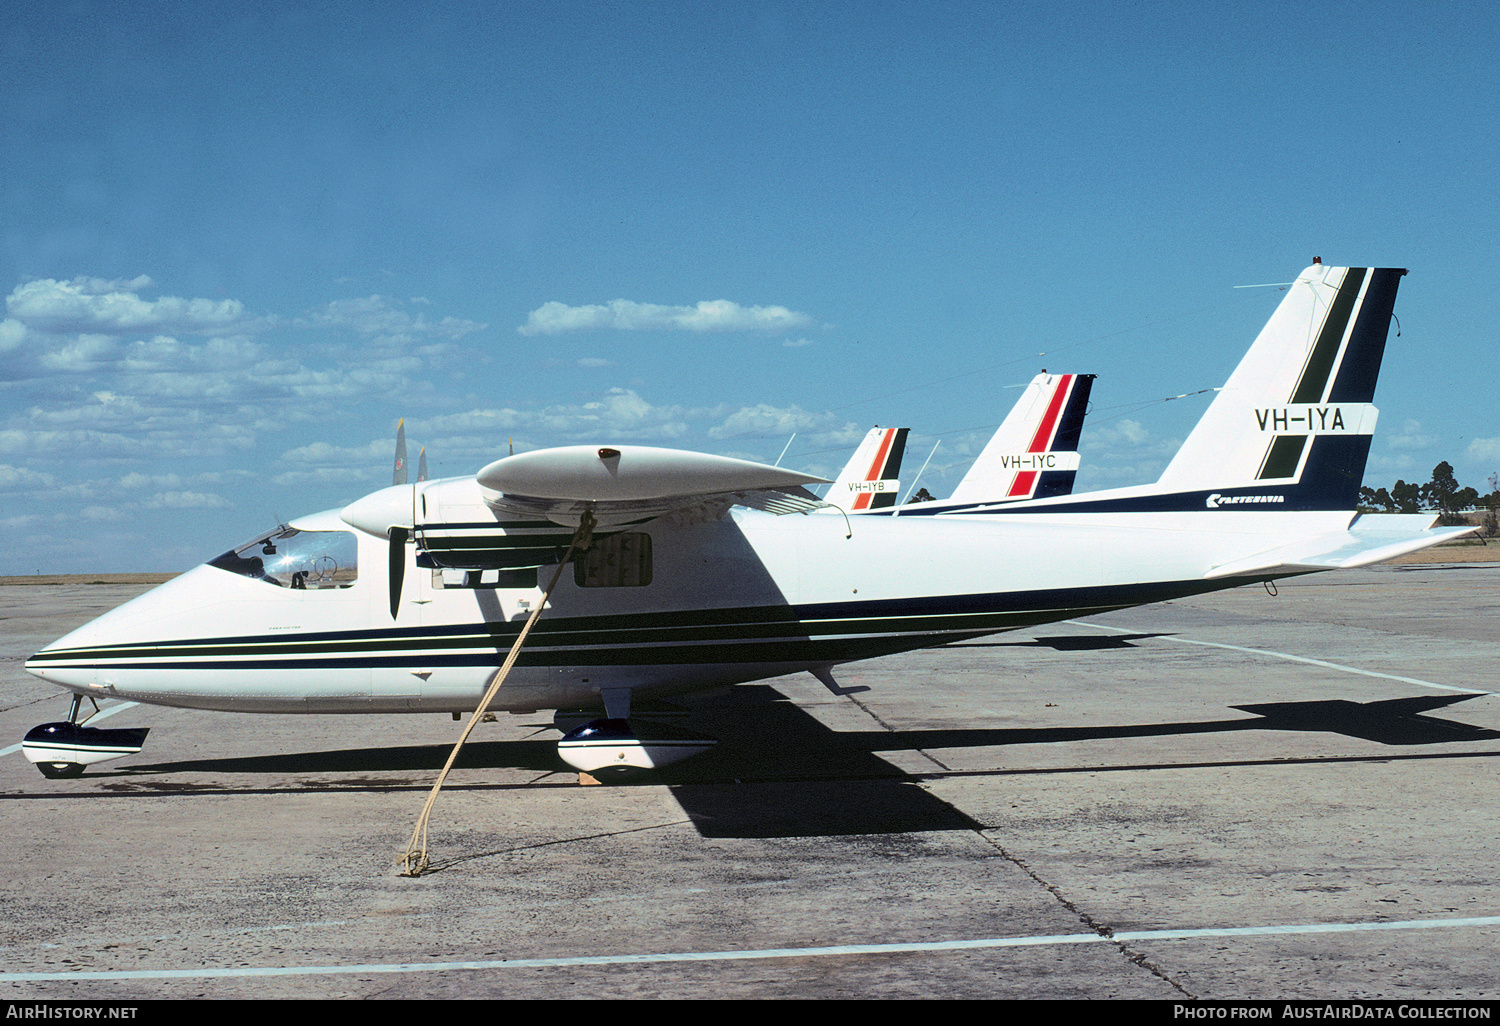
<point x="416" y="858"/>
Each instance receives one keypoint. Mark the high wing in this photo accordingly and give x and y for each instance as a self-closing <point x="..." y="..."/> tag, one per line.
<point x="630" y="483"/>
<point x="617" y="484"/>
<point x="517" y="513"/>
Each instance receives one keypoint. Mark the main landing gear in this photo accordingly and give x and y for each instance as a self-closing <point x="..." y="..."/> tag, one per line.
<point x="62" y="750"/>
<point x="615" y="744"/>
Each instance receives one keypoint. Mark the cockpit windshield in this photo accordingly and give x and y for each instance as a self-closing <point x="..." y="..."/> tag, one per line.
<point x="290" y="558"/>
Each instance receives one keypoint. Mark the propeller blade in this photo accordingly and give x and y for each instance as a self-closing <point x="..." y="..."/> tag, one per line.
<point x="397" y="566"/>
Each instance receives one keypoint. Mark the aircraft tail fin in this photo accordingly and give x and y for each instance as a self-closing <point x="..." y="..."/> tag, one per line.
<point x="872" y="477"/>
<point x="1034" y="454"/>
<point x="1293" y="424"/>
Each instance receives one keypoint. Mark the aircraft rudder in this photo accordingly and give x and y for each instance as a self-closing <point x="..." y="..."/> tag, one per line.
<point x="1070" y="423"/>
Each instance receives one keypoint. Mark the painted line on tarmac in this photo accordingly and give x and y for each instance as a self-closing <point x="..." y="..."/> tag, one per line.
<point x="101" y="714"/>
<point x="727" y="956"/>
<point x="1283" y="655"/>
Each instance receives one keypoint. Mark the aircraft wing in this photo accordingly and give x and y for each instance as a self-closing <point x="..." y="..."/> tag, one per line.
<point x="634" y="482"/>
<point x="1370" y="538"/>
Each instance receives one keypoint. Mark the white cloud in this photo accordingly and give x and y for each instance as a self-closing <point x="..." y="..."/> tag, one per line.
<point x="1411" y="437"/>
<point x="619" y="415"/>
<point x="366" y="475"/>
<point x="186" y="500"/>
<point x="1122" y="452"/>
<point x="22" y="477"/>
<point x="595" y="361"/>
<point x="1387" y="468"/>
<point x="118" y="400"/>
<point x="101" y="513"/>
<point x="1484" y="449"/>
<point x="84" y="354"/>
<point x="764" y="418"/>
<point x="104" y="286"/>
<point x="620" y="412"/>
<point x="324" y="454"/>
<point x="94" y="306"/>
<point x="135" y="479"/>
<point x="1121" y="432"/>
<point x="624" y="315"/>
<point x="380" y="319"/>
<point x="12" y="334"/>
<point x="815" y="429"/>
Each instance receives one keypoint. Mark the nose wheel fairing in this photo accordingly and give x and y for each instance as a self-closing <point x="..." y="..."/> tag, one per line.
<point x="63" y="749"/>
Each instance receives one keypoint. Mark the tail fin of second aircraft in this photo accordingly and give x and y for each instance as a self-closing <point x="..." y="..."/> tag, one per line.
<point x="1293" y="424"/>
<point x="1034" y="454"/>
<point x="872" y="477"/>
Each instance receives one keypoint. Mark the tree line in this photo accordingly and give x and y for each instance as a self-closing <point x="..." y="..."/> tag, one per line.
<point x="1443" y="494"/>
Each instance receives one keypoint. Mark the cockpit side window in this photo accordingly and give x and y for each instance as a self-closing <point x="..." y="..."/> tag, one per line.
<point x="289" y="558"/>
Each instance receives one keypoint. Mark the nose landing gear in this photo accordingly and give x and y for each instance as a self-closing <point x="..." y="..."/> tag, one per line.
<point x="62" y="750"/>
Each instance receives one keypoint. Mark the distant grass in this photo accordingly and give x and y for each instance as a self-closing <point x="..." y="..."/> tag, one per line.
<point x="86" y="579"/>
<point x="1465" y="550"/>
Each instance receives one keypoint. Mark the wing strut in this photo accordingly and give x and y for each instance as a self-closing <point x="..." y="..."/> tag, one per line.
<point x="416" y="858"/>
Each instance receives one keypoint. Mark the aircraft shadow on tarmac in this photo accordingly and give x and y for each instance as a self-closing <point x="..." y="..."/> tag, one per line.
<point x="1066" y="642"/>
<point x="813" y="781"/>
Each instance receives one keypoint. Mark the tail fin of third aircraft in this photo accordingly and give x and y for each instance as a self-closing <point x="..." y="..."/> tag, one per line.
<point x="872" y="477"/>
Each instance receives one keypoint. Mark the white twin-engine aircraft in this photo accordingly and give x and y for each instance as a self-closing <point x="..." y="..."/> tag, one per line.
<point x="701" y="573"/>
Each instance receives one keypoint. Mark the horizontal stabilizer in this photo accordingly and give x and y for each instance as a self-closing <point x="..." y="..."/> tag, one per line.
<point x="1371" y="538"/>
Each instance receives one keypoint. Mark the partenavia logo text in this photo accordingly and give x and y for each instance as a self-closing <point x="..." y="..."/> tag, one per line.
<point x="1216" y="501"/>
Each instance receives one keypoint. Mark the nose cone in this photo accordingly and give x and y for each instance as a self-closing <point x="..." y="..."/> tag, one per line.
<point x="73" y="660"/>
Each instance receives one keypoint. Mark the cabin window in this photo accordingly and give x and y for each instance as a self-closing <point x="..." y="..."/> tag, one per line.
<point x="618" y="561"/>
<point x="301" y="560"/>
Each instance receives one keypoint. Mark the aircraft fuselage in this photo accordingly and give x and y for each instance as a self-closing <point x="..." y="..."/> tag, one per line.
<point x="698" y="605"/>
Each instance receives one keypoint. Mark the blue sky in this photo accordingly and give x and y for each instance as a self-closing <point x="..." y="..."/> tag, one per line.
<point x="239" y="242"/>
